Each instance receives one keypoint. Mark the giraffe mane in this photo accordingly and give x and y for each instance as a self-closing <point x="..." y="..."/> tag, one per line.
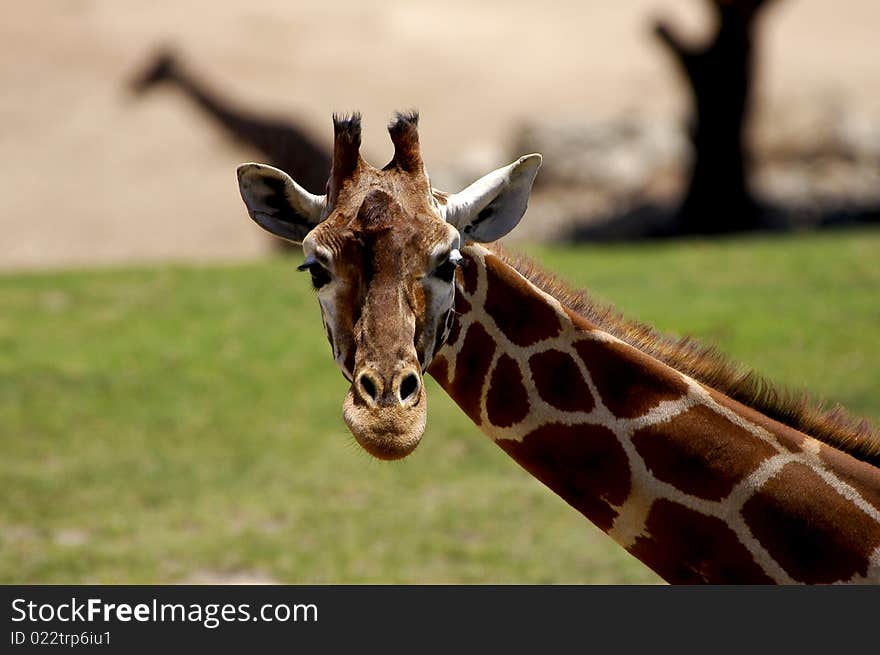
<point x="707" y="365"/>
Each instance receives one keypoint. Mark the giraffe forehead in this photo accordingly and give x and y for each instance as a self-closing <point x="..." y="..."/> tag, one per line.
<point x="410" y="192"/>
<point x="395" y="250"/>
<point x="387" y="208"/>
<point x="403" y="246"/>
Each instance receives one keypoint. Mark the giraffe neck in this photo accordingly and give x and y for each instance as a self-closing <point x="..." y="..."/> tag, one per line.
<point x="286" y="145"/>
<point x="697" y="486"/>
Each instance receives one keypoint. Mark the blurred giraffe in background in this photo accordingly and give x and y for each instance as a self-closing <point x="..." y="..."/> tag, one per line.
<point x="280" y="141"/>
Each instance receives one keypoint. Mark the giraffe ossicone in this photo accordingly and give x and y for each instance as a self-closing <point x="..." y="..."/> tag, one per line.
<point x="702" y="481"/>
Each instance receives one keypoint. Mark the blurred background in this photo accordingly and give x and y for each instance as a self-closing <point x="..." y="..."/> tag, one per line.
<point x="168" y="408"/>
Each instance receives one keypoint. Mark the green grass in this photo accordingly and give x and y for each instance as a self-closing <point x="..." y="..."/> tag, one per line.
<point x="183" y="423"/>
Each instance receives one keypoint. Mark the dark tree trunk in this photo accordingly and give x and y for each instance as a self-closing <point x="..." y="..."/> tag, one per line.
<point x="720" y="77"/>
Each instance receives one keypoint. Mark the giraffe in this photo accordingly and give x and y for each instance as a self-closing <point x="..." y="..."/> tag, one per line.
<point x="700" y="472"/>
<point x="284" y="143"/>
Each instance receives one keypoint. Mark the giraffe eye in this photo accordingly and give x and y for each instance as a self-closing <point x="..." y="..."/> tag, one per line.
<point x="446" y="270"/>
<point x="320" y="275"/>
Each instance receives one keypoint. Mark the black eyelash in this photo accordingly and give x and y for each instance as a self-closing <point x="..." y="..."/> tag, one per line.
<point x="320" y="275"/>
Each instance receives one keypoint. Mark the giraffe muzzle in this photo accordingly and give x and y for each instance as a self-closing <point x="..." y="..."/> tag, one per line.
<point x="386" y="414"/>
<point x="402" y="389"/>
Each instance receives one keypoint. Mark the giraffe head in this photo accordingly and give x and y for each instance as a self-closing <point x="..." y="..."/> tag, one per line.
<point x="382" y="247"/>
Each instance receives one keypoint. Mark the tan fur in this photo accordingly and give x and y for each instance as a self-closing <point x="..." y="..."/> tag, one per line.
<point x="713" y="369"/>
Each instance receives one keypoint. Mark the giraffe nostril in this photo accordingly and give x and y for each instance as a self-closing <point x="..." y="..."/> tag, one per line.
<point x="409" y="385"/>
<point x="368" y="387"/>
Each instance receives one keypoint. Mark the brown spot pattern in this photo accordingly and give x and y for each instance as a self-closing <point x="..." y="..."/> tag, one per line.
<point x="584" y="464"/>
<point x="507" y="402"/>
<point x="629" y="382"/>
<point x="471" y="369"/>
<point x="788" y="437"/>
<point x="859" y="475"/>
<point x="813" y="532"/>
<point x="469" y="274"/>
<point x="439" y="370"/>
<point x="517" y="309"/>
<point x="686" y="547"/>
<point x="559" y="381"/>
<point x="700" y="452"/>
<point x="462" y="307"/>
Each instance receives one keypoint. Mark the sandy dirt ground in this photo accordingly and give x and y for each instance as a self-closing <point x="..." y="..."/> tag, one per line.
<point x="92" y="176"/>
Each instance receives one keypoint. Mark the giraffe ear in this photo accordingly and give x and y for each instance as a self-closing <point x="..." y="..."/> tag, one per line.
<point x="493" y="205"/>
<point x="277" y="203"/>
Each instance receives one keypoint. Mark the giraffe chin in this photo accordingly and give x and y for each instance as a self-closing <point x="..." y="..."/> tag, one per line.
<point x="386" y="432"/>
